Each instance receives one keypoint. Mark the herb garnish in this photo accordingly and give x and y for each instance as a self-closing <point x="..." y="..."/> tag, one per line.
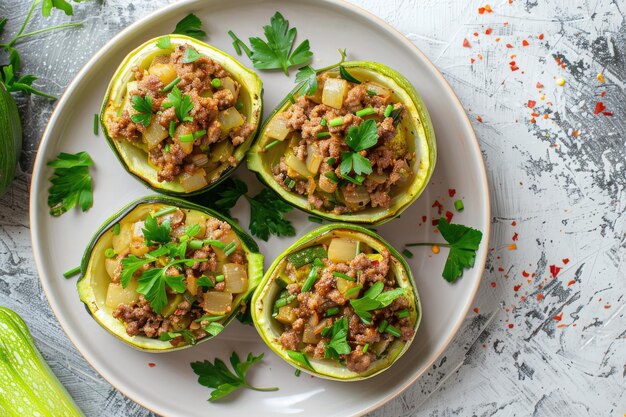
<point x="463" y="242"/>
<point x="71" y="183"/>
<point x="182" y="105"/>
<point x="155" y="233"/>
<point x="374" y="299"/>
<point x="143" y="106"/>
<point x="277" y="51"/>
<point x="190" y="25"/>
<point x="217" y="376"/>
<point x="164" y="42"/>
<point x="347" y="76"/>
<point x="308" y="76"/>
<point x="301" y="358"/>
<point x="190" y="55"/>
<point x="338" y="344"/>
<point x="358" y="139"/>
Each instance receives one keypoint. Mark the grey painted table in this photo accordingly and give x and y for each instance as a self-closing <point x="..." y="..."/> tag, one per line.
<point x="541" y="340"/>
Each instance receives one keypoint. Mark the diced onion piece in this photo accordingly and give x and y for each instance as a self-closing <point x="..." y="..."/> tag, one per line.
<point x="326" y="184"/>
<point x="379" y="347"/>
<point x="121" y="241"/>
<point x="377" y="178"/>
<point x="195" y="217"/>
<point x="117" y="295"/>
<point x="181" y="130"/>
<point x="154" y="133"/>
<point x="229" y="119"/>
<point x="235" y="277"/>
<point x="165" y="72"/>
<point x="137" y="231"/>
<point x="335" y="90"/>
<point x="221" y="151"/>
<point x="314" y="158"/>
<point x="309" y="336"/>
<point x="229" y="84"/>
<point x="277" y="128"/>
<point x="226" y="238"/>
<point x="217" y="302"/>
<point x="193" y="182"/>
<point x="297" y="165"/>
<point x="379" y="90"/>
<point x="341" y="249"/>
<point x="191" y="283"/>
<point x="138" y="248"/>
<point x="317" y="97"/>
<point x="356" y="196"/>
<point x="111" y="264"/>
<point x="343" y="285"/>
<point x="286" y="315"/>
<point x="200" y="159"/>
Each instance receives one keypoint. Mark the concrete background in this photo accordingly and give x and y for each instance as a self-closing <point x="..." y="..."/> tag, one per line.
<point x="540" y="340"/>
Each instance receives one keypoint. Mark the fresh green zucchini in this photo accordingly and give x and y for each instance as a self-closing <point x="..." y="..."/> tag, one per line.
<point x="307" y="255"/>
<point x="10" y="138"/>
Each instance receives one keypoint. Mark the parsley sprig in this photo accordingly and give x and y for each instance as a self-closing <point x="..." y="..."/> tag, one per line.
<point x="276" y="52"/>
<point x="374" y="299"/>
<point x="143" y="106"/>
<point x="223" y="381"/>
<point x="463" y="242"/>
<point x="182" y="105"/>
<point x="71" y="183"/>
<point x="359" y="139"/>
<point x="338" y="344"/>
<point x="190" y="25"/>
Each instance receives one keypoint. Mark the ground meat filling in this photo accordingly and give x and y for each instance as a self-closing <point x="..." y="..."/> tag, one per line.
<point x="198" y="143"/>
<point x="309" y="315"/>
<point x="313" y="138"/>
<point x="178" y="319"/>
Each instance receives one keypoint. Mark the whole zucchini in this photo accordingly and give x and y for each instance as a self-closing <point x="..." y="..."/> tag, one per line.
<point x="10" y="138"/>
<point x="28" y="387"/>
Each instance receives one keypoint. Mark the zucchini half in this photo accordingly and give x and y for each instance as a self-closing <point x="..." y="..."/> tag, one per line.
<point x="418" y="125"/>
<point x="94" y="280"/>
<point x="133" y="156"/>
<point x="269" y="288"/>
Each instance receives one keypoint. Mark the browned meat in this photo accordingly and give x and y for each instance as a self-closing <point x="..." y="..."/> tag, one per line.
<point x="357" y="361"/>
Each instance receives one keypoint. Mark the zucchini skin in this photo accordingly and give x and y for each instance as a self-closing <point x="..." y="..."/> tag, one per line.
<point x="10" y="138"/>
<point x="22" y="368"/>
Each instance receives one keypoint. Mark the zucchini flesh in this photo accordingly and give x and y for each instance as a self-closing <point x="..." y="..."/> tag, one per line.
<point x="307" y="255"/>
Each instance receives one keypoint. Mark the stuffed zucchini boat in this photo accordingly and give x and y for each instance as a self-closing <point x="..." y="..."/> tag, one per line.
<point x="361" y="149"/>
<point x="180" y="114"/>
<point x="340" y="304"/>
<point x="164" y="274"/>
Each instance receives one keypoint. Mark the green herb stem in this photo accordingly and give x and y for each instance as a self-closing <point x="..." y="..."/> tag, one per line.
<point x="365" y="112"/>
<point x="171" y="85"/>
<point x="271" y="144"/>
<point x="337" y="121"/>
<point x="37" y="32"/>
<point x="72" y="272"/>
<point x="388" y="110"/>
<point x="310" y="280"/>
<point x="164" y="211"/>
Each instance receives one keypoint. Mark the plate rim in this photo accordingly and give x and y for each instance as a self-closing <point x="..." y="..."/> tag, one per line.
<point x="355" y="8"/>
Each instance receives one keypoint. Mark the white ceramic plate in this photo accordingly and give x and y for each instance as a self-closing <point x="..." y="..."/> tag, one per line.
<point x="170" y="387"/>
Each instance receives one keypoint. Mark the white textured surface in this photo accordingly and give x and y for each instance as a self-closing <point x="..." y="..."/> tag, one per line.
<point x="566" y="195"/>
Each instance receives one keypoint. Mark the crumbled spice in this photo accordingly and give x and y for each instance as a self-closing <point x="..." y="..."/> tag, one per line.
<point x="515" y="237"/>
<point x="466" y="43"/>
<point x="565" y="261"/>
<point x="554" y="270"/>
<point x="531" y="103"/>
<point x="525" y="43"/>
<point x="558" y="317"/>
<point x="476" y="310"/>
<point x="512" y="246"/>
<point x="451" y="192"/>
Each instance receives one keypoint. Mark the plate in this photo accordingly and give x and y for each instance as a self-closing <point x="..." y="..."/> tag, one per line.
<point x="170" y="387"/>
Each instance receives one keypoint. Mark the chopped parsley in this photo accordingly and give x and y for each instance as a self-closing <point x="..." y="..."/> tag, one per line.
<point x="358" y="139"/>
<point x="71" y="183"/>
<point x="143" y="106"/>
<point x="374" y="299"/>
<point x="182" y="105"/>
<point x="191" y="26"/>
<point x="190" y="55"/>
<point x="164" y="42"/>
<point x="338" y="344"/>
<point x="155" y="233"/>
<point x="307" y="76"/>
<point x="216" y="375"/>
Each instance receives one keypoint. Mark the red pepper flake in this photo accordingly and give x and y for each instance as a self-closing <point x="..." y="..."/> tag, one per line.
<point x="534" y="114"/>
<point x="514" y="67"/>
<point x="480" y="56"/>
<point x="451" y="192"/>
<point x="600" y="107"/>
<point x="529" y="281"/>
<point x="525" y="274"/>
<point x="532" y="103"/>
<point x="575" y="133"/>
<point x="558" y="317"/>
<point x="607" y="113"/>
<point x="523" y="298"/>
<point x="532" y="120"/>
<point x="476" y="310"/>
<point x="472" y="60"/>
<point x="515" y="237"/>
<point x="466" y="43"/>
<point x="438" y="205"/>
<point x="151" y="364"/>
<point x="512" y="246"/>
<point x="493" y="284"/>
<point x="511" y="325"/>
<point x="481" y="10"/>
<point x="435" y="222"/>
<point x="602" y="94"/>
<point x="539" y="85"/>
<point x="539" y="297"/>
<point x="475" y="33"/>
<point x="554" y="270"/>
<point x="497" y="39"/>
<point x="488" y="8"/>
<point x="500" y="269"/>
<point x="375" y="262"/>
<point x="513" y="223"/>
<point x="607" y="306"/>
<point x="488" y="31"/>
<point x="424" y="218"/>
<point x="565" y="261"/>
<point x="572" y="282"/>
<point x="508" y="45"/>
<point x="541" y="36"/>
<point x="561" y="325"/>
<point x="480" y="119"/>
<point x="449" y="216"/>
<point x="525" y="43"/>
<point x="517" y="287"/>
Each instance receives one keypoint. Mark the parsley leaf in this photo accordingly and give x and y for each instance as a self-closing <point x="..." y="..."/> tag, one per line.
<point x="155" y="233"/>
<point x="143" y="106"/>
<point x="187" y="335"/>
<point x="190" y="55"/>
<point x="358" y="139"/>
<point x="190" y="25"/>
<point x="71" y="183"/>
<point x="164" y="42"/>
<point x="266" y="215"/>
<point x="338" y="344"/>
<point x="230" y="194"/>
<point x="301" y="358"/>
<point x="276" y="52"/>
<point x="23" y="83"/>
<point x="464" y="242"/>
<point x="374" y="299"/>
<point x="130" y="265"/>
<point x="152" y="285"/>
<point x="48" y="5"/>
<point x="223" y="381"/>
<point x="182" y="105"/>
